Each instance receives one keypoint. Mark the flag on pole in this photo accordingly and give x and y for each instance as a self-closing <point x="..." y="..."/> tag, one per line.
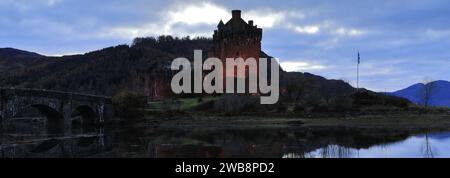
<point x="359" y="58"/>
<point x="357" y="71"/>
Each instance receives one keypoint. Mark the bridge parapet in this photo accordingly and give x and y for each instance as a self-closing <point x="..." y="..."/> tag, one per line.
<point x="60" y="94"/>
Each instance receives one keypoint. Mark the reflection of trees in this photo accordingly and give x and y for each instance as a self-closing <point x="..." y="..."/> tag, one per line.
<point x="336" y="151"/>
<point x="286" y="143"/>
<point x="427" y="149"/>
<point x="1" y="139"/>
<point x="298" y="155"/>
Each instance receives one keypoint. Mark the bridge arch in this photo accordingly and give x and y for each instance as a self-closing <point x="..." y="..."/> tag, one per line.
<point x="55" y="119"/>
<point x="84" y="116"/>
<point x="49" y="112"/>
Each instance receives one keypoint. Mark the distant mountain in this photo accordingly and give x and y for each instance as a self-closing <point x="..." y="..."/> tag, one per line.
<point x="11" y="52"/>
<point x="440" y="95"/>
<point x="11" y="58"/>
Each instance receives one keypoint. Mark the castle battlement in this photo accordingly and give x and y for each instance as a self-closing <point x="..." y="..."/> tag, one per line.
<point x="236" y="38"/>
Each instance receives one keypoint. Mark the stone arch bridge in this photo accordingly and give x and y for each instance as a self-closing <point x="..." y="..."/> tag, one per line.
<point x="56" y="106"/>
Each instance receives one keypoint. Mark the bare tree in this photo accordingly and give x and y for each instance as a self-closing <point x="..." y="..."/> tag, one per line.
<point x="336" y="151"/>
<point x="427" y="91"/>
<point x="427" y="149"/>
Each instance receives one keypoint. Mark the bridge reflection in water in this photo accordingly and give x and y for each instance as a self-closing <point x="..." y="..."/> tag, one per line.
<point x="82" y="145"/>
<point x="61" y="110"/>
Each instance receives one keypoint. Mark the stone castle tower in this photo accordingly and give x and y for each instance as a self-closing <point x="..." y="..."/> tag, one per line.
<point x="236" y="38"/>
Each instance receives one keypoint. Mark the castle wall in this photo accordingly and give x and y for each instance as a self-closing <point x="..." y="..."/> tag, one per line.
<point x="236" y="39"/>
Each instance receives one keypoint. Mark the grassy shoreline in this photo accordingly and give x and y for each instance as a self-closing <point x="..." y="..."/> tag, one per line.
<point x="403" y="122"/>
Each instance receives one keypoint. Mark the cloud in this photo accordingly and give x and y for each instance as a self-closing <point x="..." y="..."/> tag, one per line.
<point x="307" y="29"/>
<point x="203" y="13"/>
<point x="195" y="16"/>
<point x="433" y="33"/>
<point x="327" y="27"/>
<point x="265" y="18"/>
<point x="299" y="66"/>
<point x="25" y="5"/>
<point x="348" y="32"/>
<point x="413" y="32"/>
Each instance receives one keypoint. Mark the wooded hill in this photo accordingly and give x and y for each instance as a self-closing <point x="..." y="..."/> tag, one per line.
<point x="133" y="67"/>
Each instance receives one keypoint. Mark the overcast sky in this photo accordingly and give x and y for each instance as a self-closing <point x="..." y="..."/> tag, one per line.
<point x="401" y="41"/>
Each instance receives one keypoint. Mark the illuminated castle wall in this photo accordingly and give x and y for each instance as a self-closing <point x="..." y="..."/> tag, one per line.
<point x="236" y="38"/>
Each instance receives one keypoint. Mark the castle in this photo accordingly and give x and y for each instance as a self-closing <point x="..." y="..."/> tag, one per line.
<point x="236" y="39"/>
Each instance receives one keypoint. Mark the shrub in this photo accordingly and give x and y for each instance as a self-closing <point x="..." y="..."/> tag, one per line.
<point x="128" y="105"/>
<point x="235" y="104"/>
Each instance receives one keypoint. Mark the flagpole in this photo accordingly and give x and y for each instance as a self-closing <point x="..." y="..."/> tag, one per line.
<point x="357" y="73"/>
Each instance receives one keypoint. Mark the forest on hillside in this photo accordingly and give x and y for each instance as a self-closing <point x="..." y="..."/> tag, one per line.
<point x="105" y="71"/>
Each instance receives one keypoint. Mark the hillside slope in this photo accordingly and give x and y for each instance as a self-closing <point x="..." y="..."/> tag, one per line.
<point x="11" y="58"/>
<point x="105" y="71"/>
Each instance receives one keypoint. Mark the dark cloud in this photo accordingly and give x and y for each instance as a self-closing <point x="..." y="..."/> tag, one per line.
<point x="400" y="41"/>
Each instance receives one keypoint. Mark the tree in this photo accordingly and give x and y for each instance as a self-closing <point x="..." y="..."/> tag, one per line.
<point x="427" y="149"/>
<point x="128" y="105"/>
<point x="427" y="92"/>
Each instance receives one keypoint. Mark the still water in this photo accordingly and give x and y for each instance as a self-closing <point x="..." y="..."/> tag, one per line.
<point x="209" y="143"/>
<point x="435" y="145"/>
